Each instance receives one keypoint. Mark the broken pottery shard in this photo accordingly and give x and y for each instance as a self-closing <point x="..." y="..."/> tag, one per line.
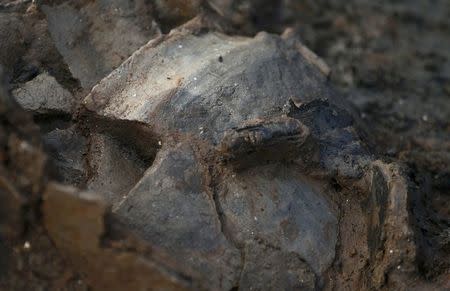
<point x="44" y="94"/>
<point x="168" y="85"/>
<point x="256" y="149"/>
<point x="207" y="83"/>
<point x="276" y="204"/>
<point x="254" y="103"/>
<point x="172" y="208"/>
<point x="94" y="37"/>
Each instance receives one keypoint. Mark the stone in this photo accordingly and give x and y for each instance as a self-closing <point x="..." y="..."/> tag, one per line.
<point x="172" y="207"/>
<point x="247" y="140"/>
<point x="44" y="94"/>
<point x="27" y="48"/>
<point x="67" y="149"/>
<point x="94" y="37"/>
<point x="172" y="76"/>
<point x="276" y="204"/>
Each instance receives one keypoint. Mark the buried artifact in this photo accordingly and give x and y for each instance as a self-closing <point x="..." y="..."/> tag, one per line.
<point x="235" y="165"/>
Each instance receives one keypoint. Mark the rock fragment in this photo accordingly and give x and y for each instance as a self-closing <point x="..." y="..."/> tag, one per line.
<point x="266" y="110"/>
<point x="94" y="37"/>
<point x="44" y="94"/>
<point x="67" y="149"/>
<point x="27" y="48"/>
<point x="279" y="206"/>
<point x="172" y="207"/>
<point x="172" y="77"/>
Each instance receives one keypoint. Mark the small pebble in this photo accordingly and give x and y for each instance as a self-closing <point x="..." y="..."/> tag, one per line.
<point x="180" y="46"/>
<point x="425" y="118"/>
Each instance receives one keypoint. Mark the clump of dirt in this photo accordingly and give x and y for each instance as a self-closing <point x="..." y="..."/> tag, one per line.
<point x="213" y="156"/>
